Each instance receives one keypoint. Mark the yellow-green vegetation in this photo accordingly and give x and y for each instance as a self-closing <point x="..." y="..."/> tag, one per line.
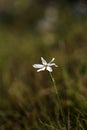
<point x="27" y="98"/>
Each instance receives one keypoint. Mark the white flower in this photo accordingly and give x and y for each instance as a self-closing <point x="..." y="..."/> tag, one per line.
<point x="45" y="65"/>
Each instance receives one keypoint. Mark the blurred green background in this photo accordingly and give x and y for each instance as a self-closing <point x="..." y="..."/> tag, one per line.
<point x="30" y="29"/>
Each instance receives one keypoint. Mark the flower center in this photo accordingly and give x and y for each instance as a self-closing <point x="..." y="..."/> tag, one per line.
<point x="46" y="65"/>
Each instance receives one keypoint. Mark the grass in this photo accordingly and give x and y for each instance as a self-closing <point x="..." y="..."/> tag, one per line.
<point x="27" y="100"/>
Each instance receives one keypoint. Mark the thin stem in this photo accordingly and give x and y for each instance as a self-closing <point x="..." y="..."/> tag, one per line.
<point x="58" y="98"/>
<point x="54" y="83"/>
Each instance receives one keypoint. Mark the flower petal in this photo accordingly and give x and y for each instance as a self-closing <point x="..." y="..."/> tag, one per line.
<point x="51" y="64"/>
<point x="52" y="60"/>
<point x="38" y="66"/>
<point x="43" y="61"/>
<point x="42" y="69"/>
<point x="49" y="69"/>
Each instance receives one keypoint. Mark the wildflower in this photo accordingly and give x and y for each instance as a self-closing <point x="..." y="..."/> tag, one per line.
<point x="45" y="65"/>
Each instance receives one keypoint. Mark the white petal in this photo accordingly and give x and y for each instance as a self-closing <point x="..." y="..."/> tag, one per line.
<point x="38" y="66"/>
<point x="49" y="69"/>
<point x="51" y="64"/>
<point x="43" y="61"/>
<point x="52" y="60"/>
<point x="42" y="69"/>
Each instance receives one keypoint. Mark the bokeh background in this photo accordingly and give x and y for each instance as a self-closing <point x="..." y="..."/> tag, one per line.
<point x="30" y="29"/>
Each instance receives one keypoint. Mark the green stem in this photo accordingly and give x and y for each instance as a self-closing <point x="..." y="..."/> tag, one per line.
<point x="58" y="98"/>
<point x="53" y="82"/>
